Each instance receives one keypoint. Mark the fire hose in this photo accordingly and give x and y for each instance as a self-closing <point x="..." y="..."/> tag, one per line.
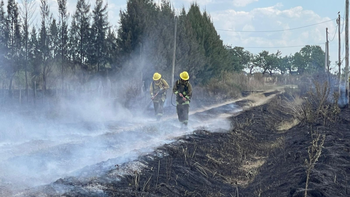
<point x="152" y="99"/>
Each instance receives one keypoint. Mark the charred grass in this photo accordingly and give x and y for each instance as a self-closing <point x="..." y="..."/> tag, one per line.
<point x="204" y="163"/>
<point x="309" y="158"/>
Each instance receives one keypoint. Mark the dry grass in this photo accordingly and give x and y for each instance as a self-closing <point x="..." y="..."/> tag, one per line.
<point x="314" y="152"/>
<point x="286" y="125"/>
<point x="231" y="85"/>
<point x="319" y="105"/>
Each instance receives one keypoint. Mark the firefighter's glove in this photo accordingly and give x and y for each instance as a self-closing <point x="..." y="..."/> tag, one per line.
<point x="152" y="97"/>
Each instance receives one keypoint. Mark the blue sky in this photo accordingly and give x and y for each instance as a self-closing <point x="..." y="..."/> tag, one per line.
<point x="231" y="17"/>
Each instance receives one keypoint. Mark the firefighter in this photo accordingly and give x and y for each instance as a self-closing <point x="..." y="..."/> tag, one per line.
<point x="183" y="91"/>
<point x="158" y="90"/>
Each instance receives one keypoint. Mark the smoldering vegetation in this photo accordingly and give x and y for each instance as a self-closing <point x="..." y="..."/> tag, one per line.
<point x="84" y="135"/>
<point x="294" y="145"/>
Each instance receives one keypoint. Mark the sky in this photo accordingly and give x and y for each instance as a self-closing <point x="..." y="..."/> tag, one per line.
<point x="273" y="25"/>
<point x="257" y="25"/>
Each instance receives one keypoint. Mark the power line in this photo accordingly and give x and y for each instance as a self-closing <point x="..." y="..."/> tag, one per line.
<point x="335" y="32"/>
<point x="285" y="46"/>
<point x="341" y="30"/>
<point x="280" y="29"/>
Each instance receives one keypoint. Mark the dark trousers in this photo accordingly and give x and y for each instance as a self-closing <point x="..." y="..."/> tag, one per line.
<point x="182" y="113"/>
<point x="158" y="108"/>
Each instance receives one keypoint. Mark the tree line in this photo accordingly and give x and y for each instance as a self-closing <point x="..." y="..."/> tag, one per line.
<point x="74" y="49"/>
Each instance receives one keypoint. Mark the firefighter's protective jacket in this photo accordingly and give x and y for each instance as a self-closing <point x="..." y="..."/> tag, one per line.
<point x="160" y="88"/>
<point x="185" y="88"/>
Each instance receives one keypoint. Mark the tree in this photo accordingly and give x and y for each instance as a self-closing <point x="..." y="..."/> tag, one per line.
<point x="139" y="38"/>
<point x="14" y="41"/>
<point x="189" y="54"/>
<point x="239" y="58"/>
<point x="158" y="41"/>
<point x="80" y="38"/>
<point x="44" y="42"/>
<point x="300" y="63"/>
<point x="309" y="59"/>
<point x="211" y="45"/>
<point x="286" y="64"/>
<point x="268" y="62"/>
<point x="273" y="62"/>
<point x="4" y="35"/>
<point x="251" y="64"/>
<point x="132" y="30"/>
<point x="34" y="56"/>
<point x="3" y="28"/>
<point x="54" y="48"/>
<point x="99" y="29"/>
<point x="260" y="61"/>
<point x="111" y="49"/>
<point x="317" y="63"/>
<point x="27" y="14"/>
<point x="63" y="36"/>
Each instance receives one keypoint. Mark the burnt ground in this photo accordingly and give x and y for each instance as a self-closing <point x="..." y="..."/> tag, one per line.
<point x="254" y="158"/>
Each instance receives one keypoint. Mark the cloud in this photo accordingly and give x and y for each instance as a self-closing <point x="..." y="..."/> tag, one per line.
<point x="242" y="3"/>
<point x="241" y="28"/>
<point x="180" y="4"/>
<point x="201" y="2"/>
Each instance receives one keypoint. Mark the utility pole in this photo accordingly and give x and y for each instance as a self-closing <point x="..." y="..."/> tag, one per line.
<point x="339" y="60"/>
<point x="347" y="52"/>
<point x="327" y="52"/>
<point x="174" y="53"/>
<point x="339" y="47"/>
<point x="325" y="56"/>
<point x="141" y="61"/>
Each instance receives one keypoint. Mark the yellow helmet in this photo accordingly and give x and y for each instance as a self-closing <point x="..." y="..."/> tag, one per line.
<point x="184" y="76"/>
<point x="156" y="76"/>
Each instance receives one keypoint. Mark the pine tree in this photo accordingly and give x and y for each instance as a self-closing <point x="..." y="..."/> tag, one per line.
<point x="189" y="53"/>
<point x="133" y="22"/>
<point x="3" y="28"/>
<point x="80" y="37"/>
<point x="137" y="26"/>
<point x="63" y="36"/>
<point x="54" y="47"/>
<point x="3" y="36"/>
<point x="73" y="47"/>
<point x="216" y="56"/>
<point x="44" y="42"/>
<point x="14" y="41"/>
<point x="159" y="43"/>
<point x="34" y="54"/>
<point x="112" y="50"/>
<point x="98" y="35"/>
<point x="27" y="13"/>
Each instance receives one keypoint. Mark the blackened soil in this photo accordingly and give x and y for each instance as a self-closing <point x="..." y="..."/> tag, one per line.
<point x="254" y="158"/>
